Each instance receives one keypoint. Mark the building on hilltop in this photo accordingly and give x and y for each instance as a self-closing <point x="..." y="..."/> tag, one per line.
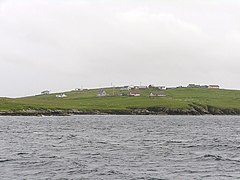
<point x="204" y="86"/>
<point x="134" y="93"/>
<point x="193" y="86"/>
<point x="78" y="89"/>
<point x="61" y="95"/>
<point x="131" y="87"/>
<point x="162" y="87"/>
<point x="157" y="94"/>
<point x="143" y="87"/>
<point x="45" y="92"/>
<point x="101" y="93"/>
<point x="140" y="87"/>
<point x="213" y="86"/>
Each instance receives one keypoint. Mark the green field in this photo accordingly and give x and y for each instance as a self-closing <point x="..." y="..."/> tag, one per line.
<point x="87" y="100"/>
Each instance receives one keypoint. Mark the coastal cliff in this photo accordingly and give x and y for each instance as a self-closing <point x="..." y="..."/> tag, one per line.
<point x="194" y="110"/>
<point x="181" y="101"/>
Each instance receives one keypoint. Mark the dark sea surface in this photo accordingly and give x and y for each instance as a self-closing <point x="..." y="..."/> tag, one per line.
<point x="120" y="147"/>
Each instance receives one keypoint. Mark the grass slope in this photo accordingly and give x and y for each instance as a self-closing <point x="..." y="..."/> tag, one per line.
<point x="181" y="98"/>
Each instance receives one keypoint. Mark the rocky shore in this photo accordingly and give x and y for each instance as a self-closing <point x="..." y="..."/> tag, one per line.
<point x="193" y="110"/>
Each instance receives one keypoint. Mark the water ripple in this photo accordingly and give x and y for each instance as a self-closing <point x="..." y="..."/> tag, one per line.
<point x="120" y="147"/>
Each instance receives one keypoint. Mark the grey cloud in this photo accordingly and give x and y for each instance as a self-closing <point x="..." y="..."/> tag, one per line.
<point x="67" y="44"/>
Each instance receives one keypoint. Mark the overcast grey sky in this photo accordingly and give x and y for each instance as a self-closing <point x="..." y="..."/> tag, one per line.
<point x="64" y="44"/>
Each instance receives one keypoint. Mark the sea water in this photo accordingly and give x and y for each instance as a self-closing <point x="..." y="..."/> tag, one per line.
<point x="120" y="147"/>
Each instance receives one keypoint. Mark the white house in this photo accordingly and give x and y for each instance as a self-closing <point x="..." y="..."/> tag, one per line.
<point x="213" y="86"/>
<point x="61" y="95"/>
<point x="157" y="94"/>
<point x="143" y="87"/>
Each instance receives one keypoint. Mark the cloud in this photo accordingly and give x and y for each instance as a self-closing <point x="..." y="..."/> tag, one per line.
<point x="94" y="43"/>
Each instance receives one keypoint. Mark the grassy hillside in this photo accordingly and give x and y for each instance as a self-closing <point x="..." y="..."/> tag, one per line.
<point x="87" y="100"/>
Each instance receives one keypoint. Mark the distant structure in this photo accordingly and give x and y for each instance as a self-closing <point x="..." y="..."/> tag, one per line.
<point x="213" y="86"/>
<point x="193" y="86"/>
<point x="131" y="86"/>
<point x="157" y="94"/>
<point x="151" y="86"/>
<point x="162" y="87"/>
<point x="125" y="88"/>
<point x="45" y="92"/>
<point x="101" y="93"/>
<point x="78" y="89"/>
<point x="134" y="93"/>
<point x="143" y="87"/>
<point x="61" y="95"/>
<point x="204" y="86"/>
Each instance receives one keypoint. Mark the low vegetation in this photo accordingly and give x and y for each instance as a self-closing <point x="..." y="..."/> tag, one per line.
<point x="177" y="101"/>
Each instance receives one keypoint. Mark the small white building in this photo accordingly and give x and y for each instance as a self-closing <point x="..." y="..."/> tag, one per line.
<point x="61" y="95"/>
<point x="45" y="92"/>
<point x="213" y="86"/>
<point x="143" y="87"/>
<point x="134" y="93"/>
<point x="157" y="94"/>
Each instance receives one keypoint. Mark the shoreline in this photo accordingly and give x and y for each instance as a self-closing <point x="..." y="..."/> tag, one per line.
<point x="180" y="101"/>
<point x="196" y="111"/>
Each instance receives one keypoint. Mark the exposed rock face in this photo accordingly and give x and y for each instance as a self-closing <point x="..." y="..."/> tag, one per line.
<point x="194" y="109"/>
